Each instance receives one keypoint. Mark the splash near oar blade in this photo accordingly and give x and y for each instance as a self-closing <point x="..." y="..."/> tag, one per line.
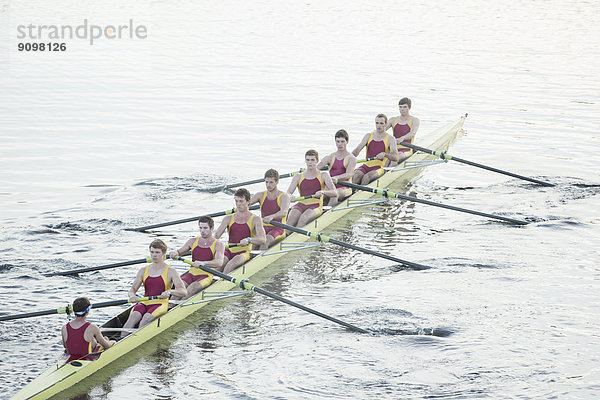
<point x="389" y="193"/>
<point x="326" y="239"/>
<point x="244" y="284"/>
<point x="68" y="309"/>
<point x="444" y="156"/>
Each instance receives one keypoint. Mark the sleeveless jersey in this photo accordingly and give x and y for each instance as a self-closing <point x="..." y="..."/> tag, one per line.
<point x="308" y="187"/>
<point x="375" y="147"/>
<point x="338" y="167"/>
<point x="202" y="254"/>
<point x="401" y="130"/>
<point x="237" y="232"/>
<point x="270" y="207"/>
<point x="155" y="285"/>
<point x="76" y="343"/>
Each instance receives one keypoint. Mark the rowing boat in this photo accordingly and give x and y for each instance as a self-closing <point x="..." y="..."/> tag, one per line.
<point x="60" y="376"/>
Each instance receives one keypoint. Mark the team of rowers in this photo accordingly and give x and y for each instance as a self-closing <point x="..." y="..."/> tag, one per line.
<point x="316" y="185"/>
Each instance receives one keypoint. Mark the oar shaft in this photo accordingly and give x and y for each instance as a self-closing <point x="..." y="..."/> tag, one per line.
<point x="244" y="284"/>
<point x="327" y="239"/>
<point x="191" y="219"/>
<point x="250" y="182"/>
<point x="106" y="266"/>
<point x="444" y="156"/>
<point x="387" y="193"/>
<point x="68" y="309"/>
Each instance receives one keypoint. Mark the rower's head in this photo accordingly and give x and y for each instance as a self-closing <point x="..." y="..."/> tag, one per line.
<point x="311" y="157"/>
<point x="380" y="122"/>
<point x="271" y="179"/>
<point x="81" y="306"/>
<point x="206" y="225"/>
<point x="404" y="106"/>
<point x="242" y="199"/>
<point x="341" y="139"/>
<point x="158" y="249"/>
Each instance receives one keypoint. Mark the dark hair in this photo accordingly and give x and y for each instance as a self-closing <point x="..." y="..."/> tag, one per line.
<point x="242" y="193"/>
<point x="207" y="220"/>
<point x="158" y="244"/>
<point x="80" y="305"/>
<point x="312" y="153"/>
<point x="342" y="133"/>
<point x="404" y="100"/>
<point x="271" y="173"/>
<point x="382" y="116"/>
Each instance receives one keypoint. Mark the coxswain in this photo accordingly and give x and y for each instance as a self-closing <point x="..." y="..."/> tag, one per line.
<point x="379" y="145"/>
<point x="274" y="206"/>
<point x="341" y="166"/>
<point x="82" y="339"/>
<point x="207" y="251"/>
<point x="404" y="127"/>
<point x="244" y="229"/>
<point x="311" y="182"/>
<point x="158" y="279"/>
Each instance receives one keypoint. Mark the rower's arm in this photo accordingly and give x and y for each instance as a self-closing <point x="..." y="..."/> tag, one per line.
<point x="413" y="131"/>
<point x="260" y="237"/>
<point x="293" y="186"/>
<point x="137" y="282"/>
<point x="222" y="227"/>
<point x="393" y="155"/>
<point x="360" y="146"/>
<point x="217" y="262"/>
<point x="63" y="333"/>
<point x="330" y="190"/>
<point x="100" y="338"/>
<point x="324" y="163"/>
<point x="184" y="249"/>
<point x="180" y="290"/>
<point x="255" y="198"/>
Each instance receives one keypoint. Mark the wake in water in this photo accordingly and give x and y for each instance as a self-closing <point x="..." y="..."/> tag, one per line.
<point x="389" y="321"/>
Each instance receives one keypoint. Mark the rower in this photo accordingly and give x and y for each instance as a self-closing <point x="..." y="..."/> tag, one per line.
<point x="404" y="127"/>
<point x="244" y="230"/>
<point x="310" y="182"/>
<point x="380" y="145"/>
<point x="341" y="166"/>
<point x="158" y="278"/>
<point x="81" y="338"/>
<point x="274" y="206"/>
<point x="207" y="251"/>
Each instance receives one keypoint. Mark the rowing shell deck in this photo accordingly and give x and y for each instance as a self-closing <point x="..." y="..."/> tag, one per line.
<point x="60" y="376"/>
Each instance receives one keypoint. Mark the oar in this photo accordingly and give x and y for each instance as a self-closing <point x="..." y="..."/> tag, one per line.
<point x="181" y="221"/>
<point x="444" y="156"/>
<point x="364" y="160"/>
<point x="107" y="266"/>
<point x="216" y="214"/>
<point x="326" y="239"/>
<point x="68" y="309"/>
<point x="244" y="284"/>
<point x="388" y="193"/>
<point x="234" y="185"/>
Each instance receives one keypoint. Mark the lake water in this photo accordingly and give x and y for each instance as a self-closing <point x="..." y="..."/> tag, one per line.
<point x="128" y="132"/>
